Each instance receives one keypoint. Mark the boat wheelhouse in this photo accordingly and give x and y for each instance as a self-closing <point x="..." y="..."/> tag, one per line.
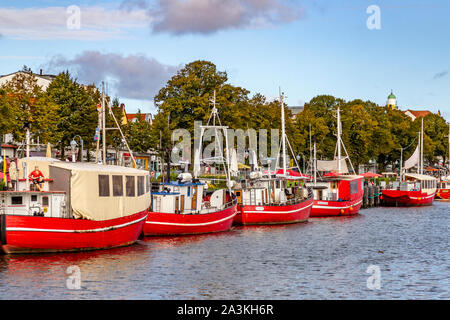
<point x="185" y="207"/>
<point x="82" y="206"/>
<point x="338" y="195"/>
<point x="443" y="190"/>
<point x="414" y="190"/>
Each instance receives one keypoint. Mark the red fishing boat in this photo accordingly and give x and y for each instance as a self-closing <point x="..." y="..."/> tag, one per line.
<point x="415" y="190"/>
<point x="82" y="206"/>
<point x="280" y="198"/>
<point x="336" y="193"/>
<point x="271" y="201"/>
<point x="184" y="207"/>
<point x="338" y="196"/>
<point x="412" y="189"/>
<point x="444" y="190"/>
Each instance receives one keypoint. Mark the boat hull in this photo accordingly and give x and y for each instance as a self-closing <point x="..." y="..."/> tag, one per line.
<point x="266" y="215"/>
<point x="171" y="224"/>
<point x="394" y="198"/>
<point x="30" y="234"/>
<point x="336" y="208"/>
<point x="443" y="194"/>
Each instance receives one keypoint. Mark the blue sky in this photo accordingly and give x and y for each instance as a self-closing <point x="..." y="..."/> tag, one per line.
<point x="305" y="47"/>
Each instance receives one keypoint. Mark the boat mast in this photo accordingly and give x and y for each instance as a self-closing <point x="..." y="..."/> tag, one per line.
<point x="28" y="155"/>
<point x="103" y="123"/>
<point x="215" y="114"/>
<point x="315" y="164"/>
<point x="421" y="149"/>
<point x="283" y="133"/>
<point x="401" y="163"/>
<point x="339" y="138"/>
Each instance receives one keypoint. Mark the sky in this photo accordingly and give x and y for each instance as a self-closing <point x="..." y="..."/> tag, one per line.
<point x="351" y="49"/>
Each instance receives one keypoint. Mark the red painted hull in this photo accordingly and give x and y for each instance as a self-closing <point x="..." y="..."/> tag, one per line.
<point x="443" y="194"/>
<point x="166" y="224"/>
<point x="406" y="198"/>
<point x="262" y="215"/>
<point x="29" y="234"/>
<point x="336" y="208"/>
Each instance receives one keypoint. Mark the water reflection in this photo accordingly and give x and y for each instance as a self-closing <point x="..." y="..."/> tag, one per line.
<point x="326" y="258"/>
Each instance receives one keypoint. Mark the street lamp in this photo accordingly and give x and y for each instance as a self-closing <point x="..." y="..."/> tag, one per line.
<point x="73" y="145"/>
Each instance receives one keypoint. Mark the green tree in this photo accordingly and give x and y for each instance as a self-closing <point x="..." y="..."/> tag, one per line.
<point x="23" y="101"/>
<point x="77" y="110"/>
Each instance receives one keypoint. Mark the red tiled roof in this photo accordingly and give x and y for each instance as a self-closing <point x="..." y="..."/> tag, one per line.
<point x="419" y="114"/>
<point x="131" y="116"/>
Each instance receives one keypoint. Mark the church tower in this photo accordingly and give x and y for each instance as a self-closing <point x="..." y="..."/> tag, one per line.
<point x="392" y="101"/>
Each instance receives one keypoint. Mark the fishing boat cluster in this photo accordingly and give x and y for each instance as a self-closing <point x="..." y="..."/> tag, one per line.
<point x="87" y="206"/>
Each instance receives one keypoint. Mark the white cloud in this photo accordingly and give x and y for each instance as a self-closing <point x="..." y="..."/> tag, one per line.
<point x="209" y="16"/>
<point x="51" y="23"/>
<point x="134" y="76"/>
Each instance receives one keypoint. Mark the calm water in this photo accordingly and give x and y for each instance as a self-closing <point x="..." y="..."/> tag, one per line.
<point x="322" y="259"/>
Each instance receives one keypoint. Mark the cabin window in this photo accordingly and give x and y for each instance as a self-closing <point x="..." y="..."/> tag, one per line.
<point x="45" y="201"/>
<point x="189" y="191"/>
<point x="140" y="185"/>
<point x="16" y="200"/>
<point x="34" y="197"/>
<point x="277" y="184"/>
<point x="103" y="185"/>
<point x="117" y="186"/>
<point x="130" y="186"/>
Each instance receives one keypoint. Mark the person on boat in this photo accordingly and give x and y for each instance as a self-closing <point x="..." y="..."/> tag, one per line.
<point x="37" y="177"/>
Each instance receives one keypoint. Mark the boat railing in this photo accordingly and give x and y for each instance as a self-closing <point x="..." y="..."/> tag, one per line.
<point x="287" y="202"/>
<point x="206" y="209"/>
<point x="404" y="186"/>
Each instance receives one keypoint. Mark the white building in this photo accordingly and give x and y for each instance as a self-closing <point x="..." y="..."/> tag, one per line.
<point x="43" y="80"/>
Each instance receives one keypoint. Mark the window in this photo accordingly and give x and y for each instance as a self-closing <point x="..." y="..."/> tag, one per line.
<point x="117" y="186"/>
<point x="34" y="197"/>
<point x="130" y="186"/>
<point x="45" y="201"/>
<point x="103" y="185"/>
<point x="140" y="185"/>
<point x="16" y="200"/>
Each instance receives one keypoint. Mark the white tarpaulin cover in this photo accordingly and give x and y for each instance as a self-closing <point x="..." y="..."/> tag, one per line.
<point x="84" y="191"/>
<point x="332" y="165"/>
<point x="413" y="160"/>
